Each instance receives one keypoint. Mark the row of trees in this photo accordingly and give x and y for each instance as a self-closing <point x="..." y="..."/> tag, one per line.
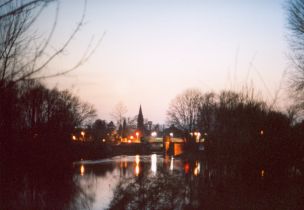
<point x="32" y="113"/>
<point x="239" y="130"/>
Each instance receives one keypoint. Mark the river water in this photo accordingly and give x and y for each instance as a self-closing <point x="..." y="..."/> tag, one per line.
<point x="146" y="182"/>
<point x="101" y="179"/>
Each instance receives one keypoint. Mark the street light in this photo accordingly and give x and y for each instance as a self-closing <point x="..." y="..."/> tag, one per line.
<point x="154" y="134"/>
<point x="82" y="133"/>
<point x="137" y="135"/>
<point x="171" y="135"/>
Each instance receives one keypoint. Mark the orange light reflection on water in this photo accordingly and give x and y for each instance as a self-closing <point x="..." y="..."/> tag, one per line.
<point x="197" y="168"/>
<point x="137" y="169"/>
<point x="82" y="170"/>
<point x="186" y="168"/>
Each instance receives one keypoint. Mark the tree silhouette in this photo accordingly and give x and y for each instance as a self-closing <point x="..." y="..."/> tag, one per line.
<point x="183" y="110"/>
<point x="295" y="9"/>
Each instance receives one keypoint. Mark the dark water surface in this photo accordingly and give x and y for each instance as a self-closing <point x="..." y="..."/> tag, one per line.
<point x="102" y="178"/>
<point x="147" y="182"/>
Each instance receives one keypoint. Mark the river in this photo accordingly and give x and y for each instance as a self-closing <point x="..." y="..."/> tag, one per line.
<point x="102" y="178"/>
<point x="146" y="182"/>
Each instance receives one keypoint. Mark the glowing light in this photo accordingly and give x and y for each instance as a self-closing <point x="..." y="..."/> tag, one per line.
<point x="82" y="133"/>
<point x="82" y="170"/>
<point x="103" y="140"/>
<point x="154" y="134"/>
<point x="262" y="132"/>
<point x="129" y="141"/>
<point x="131" y="137"/>
<point x="171" y="134"/>
<point x="197" y="168"/>
<point x="186" y="168"/>
<point x="172" y="164"/>
<point x="154" y="163"/>
<point x="74" y="138"/>
<point x="262" y="173"/>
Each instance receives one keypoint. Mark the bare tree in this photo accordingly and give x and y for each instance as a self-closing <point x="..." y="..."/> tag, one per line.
<point x="40" y="106"/>
<point x="119" y="113"/>
<point x="184" y="109"/>
<point x="296" y="40"/>
<point x="23" y="54"/>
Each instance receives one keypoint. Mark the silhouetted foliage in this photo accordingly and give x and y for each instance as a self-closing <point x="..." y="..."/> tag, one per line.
<point x="150" y="192"/>
<point x="240" y="132"/>
<point x="99" y="130"/>
<point x="36" y="126"/>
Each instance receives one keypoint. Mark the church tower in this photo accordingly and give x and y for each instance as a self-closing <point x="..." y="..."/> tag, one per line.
<point x="140" y="122"/>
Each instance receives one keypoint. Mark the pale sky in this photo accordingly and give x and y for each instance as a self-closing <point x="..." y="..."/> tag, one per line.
<point x="155" y="49"/>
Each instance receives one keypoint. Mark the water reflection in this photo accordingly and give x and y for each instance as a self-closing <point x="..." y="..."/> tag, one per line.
<point x="197" y="168"/>
<point x="137" y="169"/>
<point x="149" y="182"/>
<point x="120" y="171"/>
<point x="154" y="163"/>
<point x="82" y="170"/>
<point x="172" y="164"/>
<point x="52" y="186"/>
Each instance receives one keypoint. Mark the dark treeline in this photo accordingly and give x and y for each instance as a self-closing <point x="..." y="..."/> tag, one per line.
<point x="252" y="158"/>
<point x="35" y="131"/>
<point x="241" y="133"/>
<point x="33" y="115"/>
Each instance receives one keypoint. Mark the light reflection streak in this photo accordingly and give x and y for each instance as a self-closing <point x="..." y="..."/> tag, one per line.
<point x="137" y="159"/>
<point x="262" y="173"/>
<point x="154" y="163"/>
<point x="186" y="168"/>
<point x="137" y="169"/>
<point x="172" y="164"/>
<point x="197" y="168"/>
<point x="82" y="170"/>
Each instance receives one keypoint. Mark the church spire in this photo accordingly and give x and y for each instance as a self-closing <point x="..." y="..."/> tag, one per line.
<point x="140" y="122"/>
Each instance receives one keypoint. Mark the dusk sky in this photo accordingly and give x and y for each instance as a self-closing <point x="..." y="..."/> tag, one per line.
<point x="155" y="49"/>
